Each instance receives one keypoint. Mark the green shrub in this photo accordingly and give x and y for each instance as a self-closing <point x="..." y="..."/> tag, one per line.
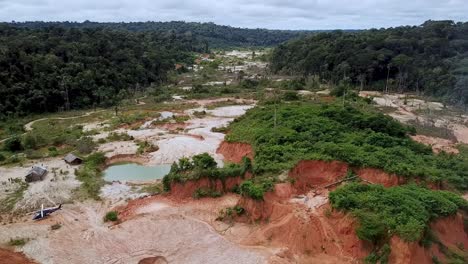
<point x="290" y="96"/>
<point x="204" y="161"/>
<point x="55" y="226"/>
<point x="111" y="216"/>
<point x="17" y="242"/>
<point x="203" y="165"/>
<point x="252" y="190"/>
<point x="85" y="145"/>
<point x="13" y="144"/>
<point x="405" y="211"/>
<point x="90" y="176"/>
<point x="114" y="136"/>
<point x="2" y="157"/>
<point x="29" y="141"/>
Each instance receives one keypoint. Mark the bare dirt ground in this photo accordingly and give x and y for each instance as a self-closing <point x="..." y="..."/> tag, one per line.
<point x="178" y="232"/>
<point x="56" y="188"/>
<point x="431" y="115"/>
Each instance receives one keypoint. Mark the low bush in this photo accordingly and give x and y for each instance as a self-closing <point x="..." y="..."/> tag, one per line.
<point x="17" y="242"/>
<point x="13" y="144"/>
<point x="111" y="216"/>
<point x="405" y="211"/>
<point x="203" y="165"/>
<point x="115" y="136"/>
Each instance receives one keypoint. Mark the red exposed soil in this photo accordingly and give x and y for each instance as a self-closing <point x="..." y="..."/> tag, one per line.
<point x="234" y="152"/>
<point x="450" y="230"/>
<point x="310" y="174"/>
<point x="11" y="257"/>
<point x="377" y="176"/>
<point x="310" y="235"/>
<point x="316" y="234"/>
<point x="185" y="190"/>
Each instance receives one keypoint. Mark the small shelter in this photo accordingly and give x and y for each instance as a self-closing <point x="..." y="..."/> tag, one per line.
<point x="37" y="173"/>
<point x="72" y="159"/>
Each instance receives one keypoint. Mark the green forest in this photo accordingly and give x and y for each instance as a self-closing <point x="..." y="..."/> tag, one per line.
<point x="212" y="35"/>
<point x="51" y="69"/>
<point x="430" y="59"/>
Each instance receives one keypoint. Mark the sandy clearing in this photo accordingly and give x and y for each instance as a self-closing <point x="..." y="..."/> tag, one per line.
<point x="179" y="233"/>
<point x="55" y="188"/>
<point x="437" y="144"/>
<point x="410" y="109"/>
<point x="118" y="148"/>
<point x="120" y="192"/>
<point x="174" y="147"/>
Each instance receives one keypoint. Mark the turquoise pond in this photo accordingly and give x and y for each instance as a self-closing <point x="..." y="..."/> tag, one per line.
<point x="135" y="172"/>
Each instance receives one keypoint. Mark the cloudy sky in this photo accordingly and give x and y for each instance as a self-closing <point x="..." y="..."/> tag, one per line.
<point x="274" y="14"/>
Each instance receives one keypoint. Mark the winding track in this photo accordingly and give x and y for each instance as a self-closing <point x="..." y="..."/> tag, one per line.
<point x="28" y="127"/>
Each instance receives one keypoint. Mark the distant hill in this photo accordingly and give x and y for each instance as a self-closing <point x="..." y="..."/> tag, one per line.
<point x="216" y="36"/>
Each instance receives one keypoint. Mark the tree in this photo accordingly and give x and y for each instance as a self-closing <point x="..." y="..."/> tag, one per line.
<point x="13" y="144"/>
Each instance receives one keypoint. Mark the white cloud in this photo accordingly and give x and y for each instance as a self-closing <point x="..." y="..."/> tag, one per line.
<point x="282" y="14"/>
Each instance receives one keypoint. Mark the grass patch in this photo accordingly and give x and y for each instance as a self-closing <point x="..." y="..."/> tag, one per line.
<point x="17" y="242"/>
<point x="90" y="175"/>
<point x="9" y="202"/>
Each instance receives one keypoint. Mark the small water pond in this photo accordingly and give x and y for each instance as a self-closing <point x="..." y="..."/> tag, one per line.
<point x="135" y="172"/>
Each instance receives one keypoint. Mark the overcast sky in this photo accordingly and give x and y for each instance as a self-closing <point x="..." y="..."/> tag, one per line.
<point x="273" y="14"/>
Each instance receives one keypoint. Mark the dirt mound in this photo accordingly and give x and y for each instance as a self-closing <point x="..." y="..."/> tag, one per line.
<point x="309" y="235"/>
<point x="234" y="152"/>
<point x="11" y="257"/>
<point x="310" y="174"/>
<point x="153" y="260"/>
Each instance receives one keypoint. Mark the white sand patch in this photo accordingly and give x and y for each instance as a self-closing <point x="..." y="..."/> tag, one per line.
<point x="120" y="192"/>
<point x="118" y="148"/>
<point x="175" y="147"/>
<point x="311" y="200"/>
<point x="230" y="111"/>
<point x="94" y="126"/>
<point x="151" y="208"/>
<point x="164" y="115"/>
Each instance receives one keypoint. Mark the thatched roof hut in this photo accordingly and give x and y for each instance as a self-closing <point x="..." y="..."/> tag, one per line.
<point x="72" y="159"/>
<point x="37" y="173"/>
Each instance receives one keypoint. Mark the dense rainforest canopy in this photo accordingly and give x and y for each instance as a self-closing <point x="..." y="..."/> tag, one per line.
<point x="431" y="58"/>
<point x="53" y="68"/>
<point x="212" y="35"/>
